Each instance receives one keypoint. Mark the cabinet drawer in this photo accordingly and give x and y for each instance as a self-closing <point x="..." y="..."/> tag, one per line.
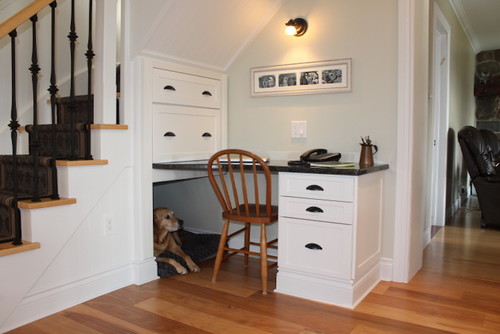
<point x="185" y="89"/>
<point x="184" y="133"/>
<point x="313" y="209"/>
<point x="332" y="187"/>
<point x="315" y="247"/>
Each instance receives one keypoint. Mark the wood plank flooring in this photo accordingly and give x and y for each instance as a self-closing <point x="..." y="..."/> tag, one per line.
<point x="457" y="291"/>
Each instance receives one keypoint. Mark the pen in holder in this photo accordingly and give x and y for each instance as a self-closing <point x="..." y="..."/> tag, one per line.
<point x="367" y="152"/>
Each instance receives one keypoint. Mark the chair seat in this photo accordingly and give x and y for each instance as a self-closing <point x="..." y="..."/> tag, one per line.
<point x="252" y="217"/>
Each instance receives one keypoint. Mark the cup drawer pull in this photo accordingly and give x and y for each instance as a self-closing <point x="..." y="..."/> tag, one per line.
<point x="313" y="246"/>
<point x="169" y="134"/>
<point x="314" y="209"/>
<point x="314" y="187"/>
<point x="168" y="87"/>
<point x="206" y="93"/>
<point x="206" y="134"/>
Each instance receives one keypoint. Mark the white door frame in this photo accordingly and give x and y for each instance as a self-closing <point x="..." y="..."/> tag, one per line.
<point x="438" y="122"/>
<point x="408" y="239"/>
<point x="402" y="226"/>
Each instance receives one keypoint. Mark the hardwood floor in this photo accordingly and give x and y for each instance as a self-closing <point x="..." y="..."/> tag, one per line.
<point x="457" y="291"/>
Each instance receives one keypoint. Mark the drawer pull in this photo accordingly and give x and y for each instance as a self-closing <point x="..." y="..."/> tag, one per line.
<point x="168" y="87"/>
<point x="169" y="134"/>
<point x="315" y="187"/>
<point x="314" y="209"/>
<point x="206" y="93"/>
<point x="313" y="246"/>
<point x="207" y="134"/>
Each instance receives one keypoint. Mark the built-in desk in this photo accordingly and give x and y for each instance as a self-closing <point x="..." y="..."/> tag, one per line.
<point x="274" y="166"/>
<point x="329" y="229"/>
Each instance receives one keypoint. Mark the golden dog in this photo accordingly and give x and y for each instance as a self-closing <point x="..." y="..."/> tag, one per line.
<point x="165" y="227"/>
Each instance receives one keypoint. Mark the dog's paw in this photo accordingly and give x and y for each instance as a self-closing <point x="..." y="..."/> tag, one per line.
<point x="194" y="268"/>
<point x="181" y="270"/>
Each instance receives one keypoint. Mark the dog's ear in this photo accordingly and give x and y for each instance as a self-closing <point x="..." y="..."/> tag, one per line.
<point x="155" y="215"/>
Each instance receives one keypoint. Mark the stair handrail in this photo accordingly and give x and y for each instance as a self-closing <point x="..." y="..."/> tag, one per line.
<point x="23" y="15"/>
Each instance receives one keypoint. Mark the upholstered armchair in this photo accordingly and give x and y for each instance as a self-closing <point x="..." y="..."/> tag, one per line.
<point x="481" y="151"/>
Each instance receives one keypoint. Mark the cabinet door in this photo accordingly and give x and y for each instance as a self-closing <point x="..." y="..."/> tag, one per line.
<point x="184" y="133"/>
<point x="315" y="247"/>
<point x="185" y="89"/>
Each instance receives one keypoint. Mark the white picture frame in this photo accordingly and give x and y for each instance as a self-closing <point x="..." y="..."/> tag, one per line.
<point x="320" y="77"/>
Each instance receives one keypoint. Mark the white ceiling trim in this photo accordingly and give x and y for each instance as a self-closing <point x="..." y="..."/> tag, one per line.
<point x="181" y="61"/>
<point x="459" y="10"/>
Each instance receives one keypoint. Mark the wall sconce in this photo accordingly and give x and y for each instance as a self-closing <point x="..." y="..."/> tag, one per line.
<point x="296" y="27"/>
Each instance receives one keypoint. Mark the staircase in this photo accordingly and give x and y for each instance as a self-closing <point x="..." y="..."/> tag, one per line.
<point x="78" y="239"/>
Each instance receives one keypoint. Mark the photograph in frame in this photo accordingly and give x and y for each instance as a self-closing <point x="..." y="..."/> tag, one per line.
<point x="331" y="76"/>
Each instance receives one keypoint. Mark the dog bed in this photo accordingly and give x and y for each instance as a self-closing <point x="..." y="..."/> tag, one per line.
<point x="198" y="246"/>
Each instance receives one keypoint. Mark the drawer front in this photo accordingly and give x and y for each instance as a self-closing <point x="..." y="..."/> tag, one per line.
<point x="184" y="133"/>
<point x="185" y="89"/>
<point x="331" y="187"/>
<point x="315" y="247"/>
<point x="313" y="209"/>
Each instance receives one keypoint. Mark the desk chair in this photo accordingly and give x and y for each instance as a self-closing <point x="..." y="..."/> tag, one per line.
<point x="234" y="176"/>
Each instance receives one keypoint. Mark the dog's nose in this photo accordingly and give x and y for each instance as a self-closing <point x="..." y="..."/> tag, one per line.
<point x="181" y="223"/>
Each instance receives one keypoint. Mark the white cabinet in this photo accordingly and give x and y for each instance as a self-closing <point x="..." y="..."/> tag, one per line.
<point x="184" y="133"/>
<point x="329" y="236"/>
<point x="186" y="89"/>
<point x="187" y="114"/>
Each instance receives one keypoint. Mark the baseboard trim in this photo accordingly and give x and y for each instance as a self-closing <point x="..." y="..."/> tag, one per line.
<point x="45" y="303"/>
<point x="145" y="271"/>
<point x="386" y="269"/>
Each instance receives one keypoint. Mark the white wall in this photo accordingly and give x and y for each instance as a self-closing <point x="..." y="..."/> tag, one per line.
<point x="365" y="31"/>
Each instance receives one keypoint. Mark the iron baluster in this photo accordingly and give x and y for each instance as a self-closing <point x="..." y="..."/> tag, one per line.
<point x="14" y="125"/>
<point x="35" y="143"/>
<point x="72" y="104"/>
<point x="53" y="87"/>
<point x="90" y="56"/>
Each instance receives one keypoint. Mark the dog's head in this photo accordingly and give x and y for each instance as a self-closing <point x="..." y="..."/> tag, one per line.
<point x="164" y="219"/>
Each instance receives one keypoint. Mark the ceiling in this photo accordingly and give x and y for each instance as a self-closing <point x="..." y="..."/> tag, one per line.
<point x="205" y="33"/>
<point x="480" y="20"/>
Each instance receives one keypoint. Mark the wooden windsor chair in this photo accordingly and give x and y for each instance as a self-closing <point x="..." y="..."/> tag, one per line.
<point x="234" y="175"/>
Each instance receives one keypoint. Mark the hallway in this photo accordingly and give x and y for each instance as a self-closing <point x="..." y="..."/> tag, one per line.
<point x="462" y="248"/>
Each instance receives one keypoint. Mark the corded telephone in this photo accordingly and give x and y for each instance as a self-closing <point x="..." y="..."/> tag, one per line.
<point x="315" y="155"/>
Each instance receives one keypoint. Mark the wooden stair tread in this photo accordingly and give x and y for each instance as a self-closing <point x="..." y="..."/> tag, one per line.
<point x="45" y="203"/>
<point x="7" y="248"/>
<point x="81" y="162"/>
<point x="109" y="126"/>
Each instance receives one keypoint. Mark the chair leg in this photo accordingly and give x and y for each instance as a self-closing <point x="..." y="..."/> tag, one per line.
<point x="263" y="258"/>
<point x="220" y="250"/>
<point x="247" y="241"/>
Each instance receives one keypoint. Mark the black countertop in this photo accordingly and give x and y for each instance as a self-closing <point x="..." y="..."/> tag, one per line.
<point x="277" y="166"/>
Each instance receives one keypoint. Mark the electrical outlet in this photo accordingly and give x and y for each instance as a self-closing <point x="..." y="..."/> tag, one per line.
<point x="108" y="225"/>
<point x="299" y="129"/>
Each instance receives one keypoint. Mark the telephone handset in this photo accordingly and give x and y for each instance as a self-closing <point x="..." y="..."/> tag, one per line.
<point x="315" y="155"/>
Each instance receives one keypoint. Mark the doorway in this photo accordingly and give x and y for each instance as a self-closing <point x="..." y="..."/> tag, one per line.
<point x="438" y="124"/>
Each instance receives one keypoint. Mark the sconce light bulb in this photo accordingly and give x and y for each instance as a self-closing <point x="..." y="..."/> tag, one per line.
<point x="296" y="27"/>
<point x="290" y="30"/>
